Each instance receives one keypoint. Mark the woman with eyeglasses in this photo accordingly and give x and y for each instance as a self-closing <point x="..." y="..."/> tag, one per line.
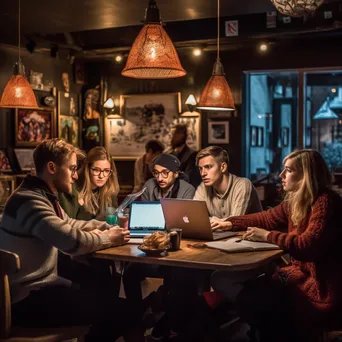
<point x="96" y="190"/>
<point x="166" y="181"/>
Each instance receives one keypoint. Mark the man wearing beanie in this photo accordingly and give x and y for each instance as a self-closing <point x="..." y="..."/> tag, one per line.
<point x="166" y="181"/>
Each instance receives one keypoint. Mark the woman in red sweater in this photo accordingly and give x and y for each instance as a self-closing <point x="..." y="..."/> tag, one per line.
<point x="306" y="296"/>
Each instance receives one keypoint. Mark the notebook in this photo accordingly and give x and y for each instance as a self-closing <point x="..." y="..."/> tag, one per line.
<point x="232" y="246"/>
<point x="192" y="217"/>
<point x="145" y="218"/>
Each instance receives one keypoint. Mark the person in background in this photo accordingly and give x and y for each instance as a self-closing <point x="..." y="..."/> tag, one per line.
<point x="185" y="154"/>
<point x="225" y="194"/>
<point x="304" y="297"/>
<point x="143" y="165"/>
<point x="92" y="195"/>
<point x="166" y="182"/>
<point x="96" y="189"/>
<point x="35" y="227"/>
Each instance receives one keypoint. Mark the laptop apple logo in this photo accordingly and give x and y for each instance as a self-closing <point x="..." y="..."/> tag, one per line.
<point x="186" y="219"/>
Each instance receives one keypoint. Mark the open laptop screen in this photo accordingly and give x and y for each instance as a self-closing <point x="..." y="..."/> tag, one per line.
<point x="146" y="216"/>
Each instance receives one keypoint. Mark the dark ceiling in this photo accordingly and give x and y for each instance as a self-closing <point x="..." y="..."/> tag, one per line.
<point x="101" y="28"/>
<point x="49" y="17"/>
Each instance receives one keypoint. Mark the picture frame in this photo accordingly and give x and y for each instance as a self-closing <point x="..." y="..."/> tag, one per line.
<point x="218" y="132"/>
<point x="6" y="188"/>
<point x="79" y="74"/>
<point x="285" y="135"/>
<point x="68" y="129"/>
<point x="5" y="165"/>
<point x="260" y="137"/>
<point x="33" y="125"/>
<point x="24" y="158"/>
<point x="144" y="117"/>
<point x="68" y="103"/>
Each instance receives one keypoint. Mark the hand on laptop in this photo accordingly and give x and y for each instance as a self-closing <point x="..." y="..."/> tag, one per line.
<point x="118" y="236"/>
<point x="217" y="224"/>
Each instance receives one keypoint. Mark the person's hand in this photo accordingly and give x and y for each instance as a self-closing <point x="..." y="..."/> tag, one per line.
<point x="256" y="234"/>
<point x="118" y="236"/>
<point x="217" y="224"/>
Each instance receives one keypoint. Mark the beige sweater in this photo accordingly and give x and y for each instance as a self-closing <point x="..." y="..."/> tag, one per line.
<point x="240" y="198"/>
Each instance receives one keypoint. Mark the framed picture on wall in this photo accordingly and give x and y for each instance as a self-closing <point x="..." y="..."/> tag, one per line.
<point x="5" y="165"/>
<point x="24" y="158"/>
<point x="144" y="117"/>
<point x="68" y="103"/>
<point x="68" y="129"/>
<point x="218" y="132"/>
<point x="6" y="188"/>
<point x="33" y="125"/>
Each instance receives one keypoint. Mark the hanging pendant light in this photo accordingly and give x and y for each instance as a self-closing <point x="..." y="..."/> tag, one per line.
<point x="217" y="94"/>
<point x="18" y="92"/>
<point x="153" y="55"/>
<point x="296" y="8"/>
<point x="325" y="112"/>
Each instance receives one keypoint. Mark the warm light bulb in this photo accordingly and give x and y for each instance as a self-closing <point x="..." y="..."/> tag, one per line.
<point x="333" y="90"/>
<point x="216" y="92"/>
<point x="197" y="52"/>
<point x="118" y="59"/>
<point x="153" y="53"/>
<point x="18" y="92"/>
<point x="263" y="47"/>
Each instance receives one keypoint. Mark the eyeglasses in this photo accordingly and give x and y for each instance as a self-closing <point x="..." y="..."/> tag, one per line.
<point x="96" y="171"/>
<point x="73" y="169"/>
<point x="163" y="173"/>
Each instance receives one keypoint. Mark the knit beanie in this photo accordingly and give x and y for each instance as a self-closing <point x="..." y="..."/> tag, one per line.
<point x="168" y="161"/>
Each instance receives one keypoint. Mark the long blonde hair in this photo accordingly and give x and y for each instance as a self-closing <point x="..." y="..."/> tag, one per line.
<point x="92" y="203"/>
<point x="315" y="178"/>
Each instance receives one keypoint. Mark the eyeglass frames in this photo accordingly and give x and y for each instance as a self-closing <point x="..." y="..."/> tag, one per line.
<point x="163" y="173"/>
<point x="97" y="171"/>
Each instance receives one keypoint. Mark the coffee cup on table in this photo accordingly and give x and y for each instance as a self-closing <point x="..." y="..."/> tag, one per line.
<point x="175" y="238"/>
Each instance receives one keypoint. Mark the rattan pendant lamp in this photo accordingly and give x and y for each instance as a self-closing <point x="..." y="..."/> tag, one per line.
<point x="297" y="8"/>
<point x="18" y="92"/>
<point x="217" y="94"/>
<point x="153" y="55"/>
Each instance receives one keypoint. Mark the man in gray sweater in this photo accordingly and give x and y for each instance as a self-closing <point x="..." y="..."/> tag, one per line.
<point x="225" y="194"/>
<point x="35" y="227"/>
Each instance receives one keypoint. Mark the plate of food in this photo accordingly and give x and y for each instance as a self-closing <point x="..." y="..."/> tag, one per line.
<point x="155" y="244"/>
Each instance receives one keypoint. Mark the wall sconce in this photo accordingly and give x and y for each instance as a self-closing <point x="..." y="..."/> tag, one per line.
<point x="191" y="103"/>
<point x="110" y="107"/>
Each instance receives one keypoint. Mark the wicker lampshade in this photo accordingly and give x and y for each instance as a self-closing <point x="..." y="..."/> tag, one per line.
<point x="18" y="92"/>
<point x="296" y="8"/>
<point x="217" y="94"/>
<point x="153" y="55"/>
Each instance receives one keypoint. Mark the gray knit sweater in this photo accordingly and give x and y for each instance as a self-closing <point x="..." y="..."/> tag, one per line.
<point x="32" y="228"/>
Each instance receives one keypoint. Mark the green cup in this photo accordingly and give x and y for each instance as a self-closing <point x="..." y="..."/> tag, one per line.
<point x="112" y="219"/>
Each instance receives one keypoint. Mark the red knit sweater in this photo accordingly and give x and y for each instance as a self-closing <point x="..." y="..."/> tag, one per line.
<point x="315" y="274"/>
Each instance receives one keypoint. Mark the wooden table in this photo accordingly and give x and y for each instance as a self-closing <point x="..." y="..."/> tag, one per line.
<point x="200" y="258"/>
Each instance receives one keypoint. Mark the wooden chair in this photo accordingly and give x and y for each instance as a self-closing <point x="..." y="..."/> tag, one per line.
<point x="9" y="264"/>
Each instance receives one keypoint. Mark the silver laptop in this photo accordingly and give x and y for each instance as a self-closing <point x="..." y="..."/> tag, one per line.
<point x="145" y="218"/>
<point x="192" y="216"/>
